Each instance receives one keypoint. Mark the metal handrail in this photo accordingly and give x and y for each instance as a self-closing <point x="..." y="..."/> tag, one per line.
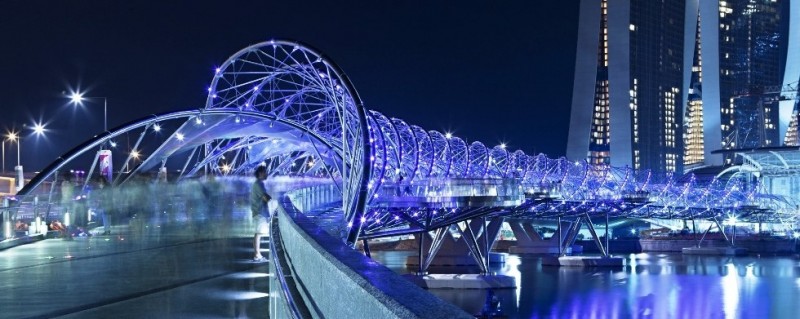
<point x="275" y="236"/>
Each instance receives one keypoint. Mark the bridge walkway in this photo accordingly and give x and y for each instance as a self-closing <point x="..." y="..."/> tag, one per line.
<point x="162" y="273"/>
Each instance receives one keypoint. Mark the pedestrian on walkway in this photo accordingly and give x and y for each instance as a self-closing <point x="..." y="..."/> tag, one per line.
<point x="102" y="198"/>
<point x="258" y="206"/>
<point x="67" y="198"/>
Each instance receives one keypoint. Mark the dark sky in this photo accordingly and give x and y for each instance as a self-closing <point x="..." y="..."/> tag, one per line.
<point x="493" y="71"/>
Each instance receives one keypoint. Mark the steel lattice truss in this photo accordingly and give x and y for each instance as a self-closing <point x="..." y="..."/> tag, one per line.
<point x="284" y="105"/>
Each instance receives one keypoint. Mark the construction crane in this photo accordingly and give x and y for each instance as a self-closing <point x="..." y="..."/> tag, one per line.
<point x="789" y="93"/>
<point x="739" y="137"/>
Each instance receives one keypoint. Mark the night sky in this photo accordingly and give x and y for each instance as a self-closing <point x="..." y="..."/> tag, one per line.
<point x="493" y="71"/>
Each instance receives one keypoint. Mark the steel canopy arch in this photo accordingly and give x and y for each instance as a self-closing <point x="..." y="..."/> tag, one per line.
<point x="296" y="82"/>
<point x="102" y="138"/>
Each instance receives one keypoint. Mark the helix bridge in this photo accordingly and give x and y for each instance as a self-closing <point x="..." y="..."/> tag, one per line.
<point x="285" y="105"/>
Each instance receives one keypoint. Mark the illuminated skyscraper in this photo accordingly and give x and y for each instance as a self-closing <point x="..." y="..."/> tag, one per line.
<point x="627" y="102"/>
<point x="663" y="84"/>
<point x="693" y="113"/>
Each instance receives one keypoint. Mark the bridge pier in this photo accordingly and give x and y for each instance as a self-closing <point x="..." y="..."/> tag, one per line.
<point x="453" y="246"/>
<point x="471" y="247"/>
<point x="530" y="241"/>
<point x="730" y="250"/>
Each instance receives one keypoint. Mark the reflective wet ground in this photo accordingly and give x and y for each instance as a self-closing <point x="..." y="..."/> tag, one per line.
<point x="650" y="286"/>
<point x="160" y="270"/>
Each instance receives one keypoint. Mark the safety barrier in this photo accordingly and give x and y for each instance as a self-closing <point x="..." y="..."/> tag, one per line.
<point x="316" y="275"/>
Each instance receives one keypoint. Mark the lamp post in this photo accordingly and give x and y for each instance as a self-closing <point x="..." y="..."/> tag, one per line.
<point x="14" y="137"/>
<point x="77" y="98"/>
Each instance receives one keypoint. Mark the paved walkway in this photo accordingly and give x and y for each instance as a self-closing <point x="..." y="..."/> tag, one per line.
<point x="150" y="272"/>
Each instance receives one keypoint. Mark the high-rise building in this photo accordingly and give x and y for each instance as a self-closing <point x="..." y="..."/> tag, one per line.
<point x="693" y="113"/>
<point x="662" y="84"/>
<point x="627" y="101"/>
<point x="750" y="62"/>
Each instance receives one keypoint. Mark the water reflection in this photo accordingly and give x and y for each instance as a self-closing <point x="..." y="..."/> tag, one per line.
<point x="651" y="286"/>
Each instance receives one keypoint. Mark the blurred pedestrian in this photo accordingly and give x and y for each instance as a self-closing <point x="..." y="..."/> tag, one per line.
<point x="258" y="207"/>
<point x="102" y="201"/>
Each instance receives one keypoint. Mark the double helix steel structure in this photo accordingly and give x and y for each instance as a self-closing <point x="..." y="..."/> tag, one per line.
<point x="286" y="105"/>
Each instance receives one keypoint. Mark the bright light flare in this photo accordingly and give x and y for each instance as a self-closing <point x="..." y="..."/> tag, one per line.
<point x="157" y="128"/>
<point x="76" y="97"/>
<point x="12" y="136"/>
<point x="179" y="136"/>
<point x="135" y="154"/>
<point x="38" y="128"/>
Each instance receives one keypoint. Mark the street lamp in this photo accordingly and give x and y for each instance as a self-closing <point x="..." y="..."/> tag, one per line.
<point x="77" y="98"/>
<point x="10" y="137"/>
<point x="15" y="137"/>
<point x="38" y="128"/>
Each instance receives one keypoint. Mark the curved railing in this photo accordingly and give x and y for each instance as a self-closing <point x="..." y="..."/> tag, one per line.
<point x="317" y="275"/>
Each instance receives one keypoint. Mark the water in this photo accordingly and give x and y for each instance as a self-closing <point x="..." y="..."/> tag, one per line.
<point x="650" y="286"/>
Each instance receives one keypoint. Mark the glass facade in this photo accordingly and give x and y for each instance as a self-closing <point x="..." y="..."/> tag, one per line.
<point x="693" y="119"/>
<point x="743" y="44"/>
<point x="599" y="144"/>
<point x="654" y="77"/>
<point x="750" y="61"/>
<point x="656" y="67"/>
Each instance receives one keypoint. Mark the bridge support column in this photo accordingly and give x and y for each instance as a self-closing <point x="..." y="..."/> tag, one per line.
<point x="730" y="250"/>
<point x="529" y="241"/>
<point x="467" y="250"/>
<point x="583" y="261"/>
<point x="366" y="248"/>
<point x="477" y="237"/>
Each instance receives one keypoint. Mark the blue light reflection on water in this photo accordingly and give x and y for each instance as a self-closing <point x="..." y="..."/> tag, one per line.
<point x="650" y="286"/>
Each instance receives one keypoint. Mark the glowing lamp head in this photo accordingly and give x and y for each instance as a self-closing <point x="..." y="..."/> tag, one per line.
<point x="76" y="97"/>
<point x="38" y="128"/>
<point x="157" y="128"/>
<point x="179" y="136"/>
<point x="448" y="135"/>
